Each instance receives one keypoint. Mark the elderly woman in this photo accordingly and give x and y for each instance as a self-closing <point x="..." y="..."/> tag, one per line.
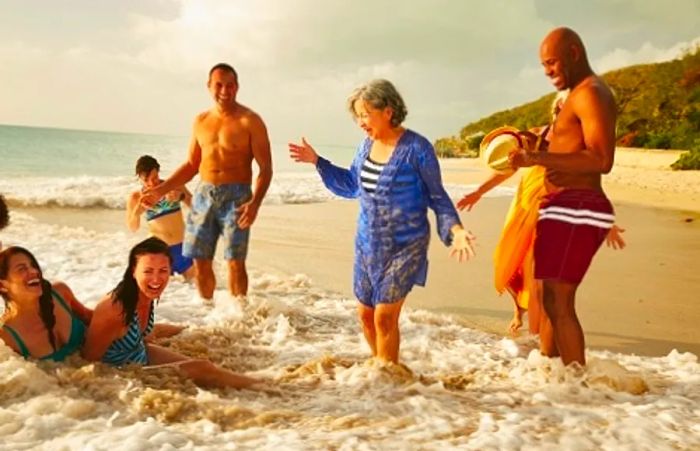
<point x="396" y="175"/>
<point x="41" y="320"/>
<point x="125" y="319"/>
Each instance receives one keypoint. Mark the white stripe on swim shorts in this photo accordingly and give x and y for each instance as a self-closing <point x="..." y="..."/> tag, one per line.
<point x="582" y="213"/>
<point x="572" y="220"/>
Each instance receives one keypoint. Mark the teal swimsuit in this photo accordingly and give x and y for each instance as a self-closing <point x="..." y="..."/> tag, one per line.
<point x="180" y="263"/>
<point x="77" y="335"/>
<point x="163" y="207"/>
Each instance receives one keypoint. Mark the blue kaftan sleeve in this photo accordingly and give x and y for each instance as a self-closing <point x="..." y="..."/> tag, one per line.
<point x="438" y="199"/>
<point x="340" y="181"/>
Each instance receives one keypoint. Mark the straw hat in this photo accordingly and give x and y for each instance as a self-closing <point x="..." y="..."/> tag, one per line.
<point x="497" y="145"/>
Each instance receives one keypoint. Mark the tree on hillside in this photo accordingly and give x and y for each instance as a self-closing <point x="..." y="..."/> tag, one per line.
<point x="658" y="106"/>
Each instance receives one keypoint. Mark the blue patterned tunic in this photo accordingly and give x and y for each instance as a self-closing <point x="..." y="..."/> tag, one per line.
<point x="393" y="232"/>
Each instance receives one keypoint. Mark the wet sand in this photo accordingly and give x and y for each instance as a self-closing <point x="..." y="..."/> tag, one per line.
<point x="639" y="300"/>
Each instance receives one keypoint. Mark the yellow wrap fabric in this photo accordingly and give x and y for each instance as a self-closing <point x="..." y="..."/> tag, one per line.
<point x="514" y="255"/>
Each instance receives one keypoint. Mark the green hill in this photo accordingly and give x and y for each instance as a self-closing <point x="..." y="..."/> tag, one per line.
<point x="658" y="107"/>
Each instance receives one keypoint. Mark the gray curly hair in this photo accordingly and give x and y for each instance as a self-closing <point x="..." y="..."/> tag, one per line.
<point x="380" y="94"/>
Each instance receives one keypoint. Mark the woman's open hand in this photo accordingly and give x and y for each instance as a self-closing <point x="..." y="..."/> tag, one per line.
<point x="303" y="153"/>
<point x="462" y="245"/>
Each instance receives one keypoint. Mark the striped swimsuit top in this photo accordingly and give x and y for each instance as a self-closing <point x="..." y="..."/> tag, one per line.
<point x="369" y="175"/>
<point x="131" y="348"/>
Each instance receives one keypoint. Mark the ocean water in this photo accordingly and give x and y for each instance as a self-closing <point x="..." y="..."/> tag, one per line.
<point x="460" y="389"/>
<point x="85" y="169"/>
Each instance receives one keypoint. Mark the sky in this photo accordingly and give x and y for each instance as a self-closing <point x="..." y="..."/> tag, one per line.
<point x="141" y="65"/>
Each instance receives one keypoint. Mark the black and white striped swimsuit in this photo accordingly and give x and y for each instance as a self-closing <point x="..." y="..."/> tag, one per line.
<point x="369" y="174"/>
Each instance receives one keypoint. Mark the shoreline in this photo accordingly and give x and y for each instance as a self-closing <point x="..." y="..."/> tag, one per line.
<point x="639" y="177"/>
<point x="639" y="300"/>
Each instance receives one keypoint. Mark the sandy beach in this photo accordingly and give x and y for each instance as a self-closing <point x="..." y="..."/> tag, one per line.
<point x="639" y="177"/>
<point x="640" y="300"/>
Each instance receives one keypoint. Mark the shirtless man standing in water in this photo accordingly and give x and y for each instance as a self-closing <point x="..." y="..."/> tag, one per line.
<point x="575" y="218"/>
<point x="225" y="141"/>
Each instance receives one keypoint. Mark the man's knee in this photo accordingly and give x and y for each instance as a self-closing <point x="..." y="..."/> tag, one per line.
<point x="558" y="298"/>
<point x="237" y="266"/>
<point x="548" y="298"/>
<point x="202" y="265"/>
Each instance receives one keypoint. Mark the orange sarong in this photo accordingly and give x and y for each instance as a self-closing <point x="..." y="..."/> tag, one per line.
<point x="514" y="266"/>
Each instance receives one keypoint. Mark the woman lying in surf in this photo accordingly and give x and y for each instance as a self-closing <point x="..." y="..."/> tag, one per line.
<point x="41" y="320"/>
<point x="124" y="319"/>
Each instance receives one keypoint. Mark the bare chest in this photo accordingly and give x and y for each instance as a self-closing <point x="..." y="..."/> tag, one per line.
<point x="566" y="133"/>
<point x="217" y="135"/>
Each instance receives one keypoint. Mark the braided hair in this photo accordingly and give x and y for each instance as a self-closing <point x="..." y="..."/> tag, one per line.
<point x="45" y="300"/>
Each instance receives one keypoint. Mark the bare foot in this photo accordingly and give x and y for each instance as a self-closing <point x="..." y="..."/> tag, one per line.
<point x="517" y="322"/>
<point x="204" y="301"/>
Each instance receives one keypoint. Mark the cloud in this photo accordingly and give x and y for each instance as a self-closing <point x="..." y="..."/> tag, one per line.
<point x="143" y="67"/>
<point x="300" y="58"/>
<point x="302" y="33"/>
<point x="646" y="53"/>
<point x="206" y="32"/>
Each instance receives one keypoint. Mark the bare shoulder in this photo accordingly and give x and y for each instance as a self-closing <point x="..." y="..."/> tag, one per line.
<point x="7" y="339"/>
<point x="106" y="309"/>
<point x="134" y="196"/>
<point x="250" y="118"/>
<point x="62" y="289"/>
<point x="107" y="318"/>
<point x="594" y="90"/>
<point x="201" y="117"/>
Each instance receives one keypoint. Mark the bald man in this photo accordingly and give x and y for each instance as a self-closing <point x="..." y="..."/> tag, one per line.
<point x="575" y="218"/>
